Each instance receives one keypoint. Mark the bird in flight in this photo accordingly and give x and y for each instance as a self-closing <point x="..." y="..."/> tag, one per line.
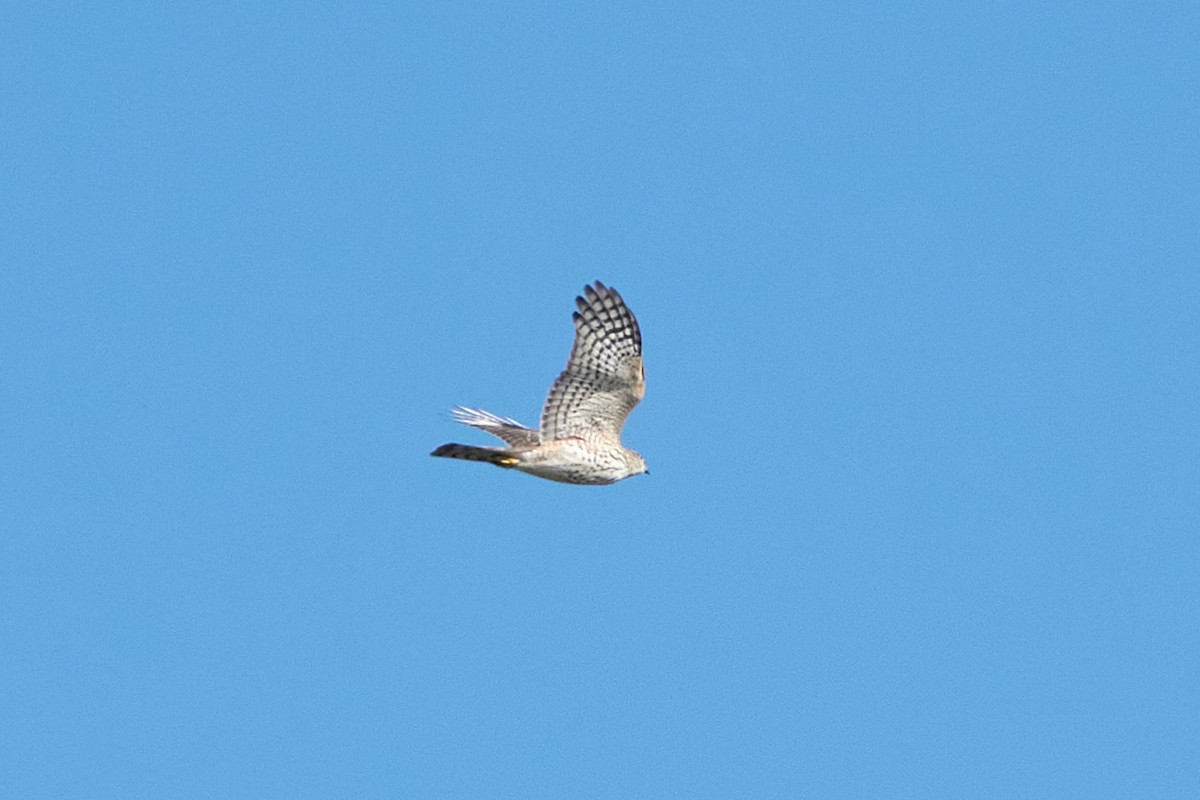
<point x="579" y="440"/>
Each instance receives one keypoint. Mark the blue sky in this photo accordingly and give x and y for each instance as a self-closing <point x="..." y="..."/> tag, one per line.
<point x="918" y="287"/>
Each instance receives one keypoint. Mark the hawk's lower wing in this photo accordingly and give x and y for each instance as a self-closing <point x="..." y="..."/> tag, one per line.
<point x="511" y="431"/>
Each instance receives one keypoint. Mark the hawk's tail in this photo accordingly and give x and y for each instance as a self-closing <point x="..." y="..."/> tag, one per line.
<point x="501" y="457"/>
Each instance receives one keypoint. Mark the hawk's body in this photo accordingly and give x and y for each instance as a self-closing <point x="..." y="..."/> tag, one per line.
<point x="580" y="436"/>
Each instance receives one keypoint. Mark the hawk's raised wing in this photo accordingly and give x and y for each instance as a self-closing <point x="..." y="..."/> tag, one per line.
<point x="604" y="378"/>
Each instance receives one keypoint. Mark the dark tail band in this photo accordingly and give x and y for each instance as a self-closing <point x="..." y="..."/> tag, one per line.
<point x="492" y="455"/>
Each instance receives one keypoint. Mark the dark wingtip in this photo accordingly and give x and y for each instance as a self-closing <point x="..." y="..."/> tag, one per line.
<point x="595" y="291"/>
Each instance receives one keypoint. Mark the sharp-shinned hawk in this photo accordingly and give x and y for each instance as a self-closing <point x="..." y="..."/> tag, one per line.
<point x="580" y="436"/>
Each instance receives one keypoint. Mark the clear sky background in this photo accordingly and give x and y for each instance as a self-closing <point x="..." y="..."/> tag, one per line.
<point x="918" y="284"/>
